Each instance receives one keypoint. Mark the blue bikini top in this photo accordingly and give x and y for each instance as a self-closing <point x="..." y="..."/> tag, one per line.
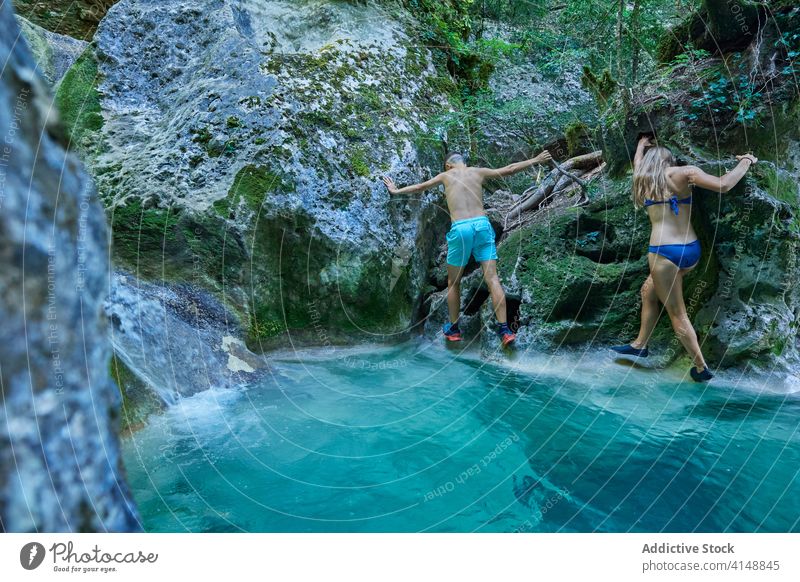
<point x="673" y="202"/>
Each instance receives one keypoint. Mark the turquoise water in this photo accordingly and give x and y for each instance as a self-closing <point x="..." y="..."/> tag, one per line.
<point x="418" y="437"/>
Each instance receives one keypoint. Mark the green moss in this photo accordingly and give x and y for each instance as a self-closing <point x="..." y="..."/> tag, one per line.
<point x="577" y="134"/>
<point x="174" y="244"/>
<point x="678" y="38"/>
<point x="583" y="269"/>
<point x="778" y="184"/>
<point x="138" y="400"/>
<point x="252" y="101"/>
<point x="602" y="86"/>
<point x="210" y="249"/>
<point x="77" y="18"/>
<point x="78" y="101"/>
<point x="251" y="185"/>
<point x="307" y="284"/>
<point x="201" y="135"/>
<point x="143" y="235"/>
<point x="358" y="162"/>
<point x="372" y="98"/>
<point x="265" y="329"/>
<point x="233" y="122"/>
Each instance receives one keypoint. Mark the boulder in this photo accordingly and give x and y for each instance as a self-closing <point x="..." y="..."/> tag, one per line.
<point x="60" y="464"/>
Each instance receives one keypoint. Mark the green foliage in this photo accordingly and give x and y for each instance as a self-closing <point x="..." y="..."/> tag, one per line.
<point x="446" y="27"/>
<point x="78" y="101"/>
<point x="594" y="24"/>
<point x="511" y="11"/>
<point x="689" y="57"/>
<point x="730" y="90"/>
<point x="602" y="86"/>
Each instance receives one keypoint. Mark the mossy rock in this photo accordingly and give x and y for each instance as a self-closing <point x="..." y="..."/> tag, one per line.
<point x="778" y="183"/>
<point x="302" y="283"/>
<point x="139" y="401"/>
<point x="176" y="244"/>
<point x="250" y="187"/>
<point x="719" y="25"/>
<point x="76" y="18"/>
<point x="582" y="277"/>
<point x="580" y="273"/>
<point x="78" y="100"/>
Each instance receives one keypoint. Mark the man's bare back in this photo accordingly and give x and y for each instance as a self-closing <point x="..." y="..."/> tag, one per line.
<point x="463" y="189"/>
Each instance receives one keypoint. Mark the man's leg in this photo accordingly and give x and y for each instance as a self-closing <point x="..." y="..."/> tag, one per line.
<point x="454" y="291"/>
<point x="495" y="289"/>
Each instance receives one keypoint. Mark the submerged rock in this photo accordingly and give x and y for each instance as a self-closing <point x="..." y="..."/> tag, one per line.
<point x="60" y="467"/>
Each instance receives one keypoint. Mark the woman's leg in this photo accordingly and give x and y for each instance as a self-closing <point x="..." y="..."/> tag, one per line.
<point x="668" y="282"/>
<point x="650" y="313"/>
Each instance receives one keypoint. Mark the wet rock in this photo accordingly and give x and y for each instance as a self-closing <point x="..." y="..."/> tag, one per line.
<point x="177" y="339"/>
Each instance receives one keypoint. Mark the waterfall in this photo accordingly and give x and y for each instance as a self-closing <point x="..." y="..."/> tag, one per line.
<point x="176" y="338"/>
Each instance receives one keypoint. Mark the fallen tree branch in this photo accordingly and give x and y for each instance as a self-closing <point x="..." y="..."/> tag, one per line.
<point x="572" y="177"/>
<point x="574" y="174"/>
<point x="584" y="162"/>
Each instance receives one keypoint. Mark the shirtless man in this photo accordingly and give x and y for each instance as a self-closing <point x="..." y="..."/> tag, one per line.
<point x="470" y="232"/>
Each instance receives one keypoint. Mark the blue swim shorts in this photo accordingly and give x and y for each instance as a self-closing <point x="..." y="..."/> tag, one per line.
<point x="470" y="236"/>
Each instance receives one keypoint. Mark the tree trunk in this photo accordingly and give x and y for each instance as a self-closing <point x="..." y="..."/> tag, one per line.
<point x="636" y="45"/>
<point x="620" y="8"/>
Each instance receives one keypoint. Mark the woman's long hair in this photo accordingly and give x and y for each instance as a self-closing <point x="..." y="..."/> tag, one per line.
<point x="650" y="176"/>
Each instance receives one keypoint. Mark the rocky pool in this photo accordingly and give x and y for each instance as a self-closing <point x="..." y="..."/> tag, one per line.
<point x="419" y="437"/>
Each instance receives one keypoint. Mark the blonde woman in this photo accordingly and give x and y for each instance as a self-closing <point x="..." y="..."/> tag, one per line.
<point x="664" y="189"/>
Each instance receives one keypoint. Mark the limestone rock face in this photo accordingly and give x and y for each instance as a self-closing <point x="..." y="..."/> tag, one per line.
<point x="574" y="274"/>
<point x="240" y="145"/>
<point x="54" y="53"/>
<point x="59" y="456"/>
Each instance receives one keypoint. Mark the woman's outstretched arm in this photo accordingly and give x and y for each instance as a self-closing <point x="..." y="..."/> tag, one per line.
<point x="644" y="142"/>
<point x="698" y="177"/>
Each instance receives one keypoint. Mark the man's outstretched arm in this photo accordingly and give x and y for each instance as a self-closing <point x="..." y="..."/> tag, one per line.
<point x="393" y="189"/>
<point x="542" y="158"/>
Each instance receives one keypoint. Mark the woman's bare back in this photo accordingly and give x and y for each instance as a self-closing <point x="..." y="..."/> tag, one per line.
<point x="669" y="228"/>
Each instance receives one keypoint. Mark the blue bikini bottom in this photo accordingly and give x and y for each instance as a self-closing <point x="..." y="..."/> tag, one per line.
<point x="684" y="256"/>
